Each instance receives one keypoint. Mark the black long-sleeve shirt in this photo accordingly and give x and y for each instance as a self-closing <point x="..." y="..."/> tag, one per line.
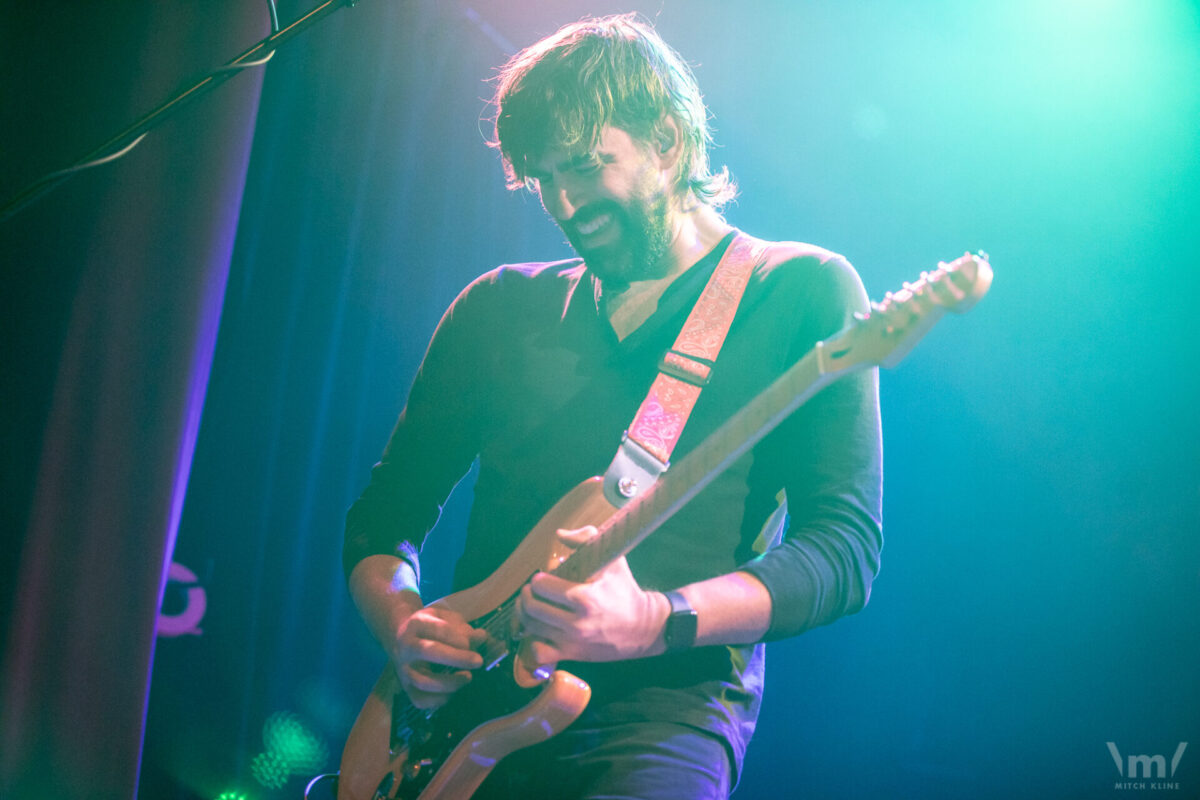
<point x="525" y="373"/>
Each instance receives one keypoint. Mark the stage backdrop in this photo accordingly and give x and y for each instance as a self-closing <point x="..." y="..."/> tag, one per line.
<point x="1041" y="573"/>
<point x="110" y="296"/>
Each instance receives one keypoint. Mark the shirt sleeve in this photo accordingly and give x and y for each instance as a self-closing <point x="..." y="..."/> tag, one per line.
<point x="829" y="453"/>
<point x="432" y="446"/>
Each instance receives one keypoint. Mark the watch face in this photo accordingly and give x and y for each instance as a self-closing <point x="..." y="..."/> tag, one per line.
<point x="680" y="633"/>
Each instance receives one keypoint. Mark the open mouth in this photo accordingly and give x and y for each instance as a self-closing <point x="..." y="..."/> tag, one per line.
<point x="593" y="225"/>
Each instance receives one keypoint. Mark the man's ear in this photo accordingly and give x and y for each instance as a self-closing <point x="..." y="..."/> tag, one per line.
<point x="668" y="141"/>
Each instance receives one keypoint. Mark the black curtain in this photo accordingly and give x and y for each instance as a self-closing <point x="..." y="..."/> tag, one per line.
<point x="371" y="201"/>
<point x="112" y="290"/>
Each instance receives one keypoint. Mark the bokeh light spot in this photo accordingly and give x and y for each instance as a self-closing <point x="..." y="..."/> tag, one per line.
<point x="268" y="769"/>
<point x="291" y="749"/>
<point x="296" y="746"/>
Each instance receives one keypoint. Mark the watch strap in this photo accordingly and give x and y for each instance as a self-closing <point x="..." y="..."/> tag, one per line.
<point x="680" y="630"/>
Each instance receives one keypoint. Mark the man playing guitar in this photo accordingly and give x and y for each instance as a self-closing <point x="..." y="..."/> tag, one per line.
<point x="535" y="371"/>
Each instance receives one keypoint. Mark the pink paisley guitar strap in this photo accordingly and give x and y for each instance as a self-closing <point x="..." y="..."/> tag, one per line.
<point x="683" y="371"/>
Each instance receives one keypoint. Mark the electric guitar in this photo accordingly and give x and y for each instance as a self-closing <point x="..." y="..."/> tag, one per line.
<point x="396" y="750"/>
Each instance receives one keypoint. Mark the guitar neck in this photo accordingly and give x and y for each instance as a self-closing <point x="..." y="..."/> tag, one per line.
<point x="880" y="337"/>
<point x="684" y="480"/>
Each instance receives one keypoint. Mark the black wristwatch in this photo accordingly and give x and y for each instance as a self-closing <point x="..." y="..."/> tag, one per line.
<point x="680" y="631"/>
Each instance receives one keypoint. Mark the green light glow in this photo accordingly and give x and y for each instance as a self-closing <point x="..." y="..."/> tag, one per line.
<point x="291" y="749"/>
<point x="298" y="748"/>
<point x="269" y="770"/>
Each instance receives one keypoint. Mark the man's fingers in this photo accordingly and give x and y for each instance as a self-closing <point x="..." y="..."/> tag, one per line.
<point x="441" y="653"/>
<point x="576" y="536"/>
<point x="453" y="632"/>
<point x="421" y="677"/>
<point x="543" y="652"/>
<point x="553" y="589"/>
<point x="423" y="699"/>
<point x="435" y="658"/>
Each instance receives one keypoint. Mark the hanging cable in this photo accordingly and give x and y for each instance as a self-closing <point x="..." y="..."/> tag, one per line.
<point x="139" y="129"/>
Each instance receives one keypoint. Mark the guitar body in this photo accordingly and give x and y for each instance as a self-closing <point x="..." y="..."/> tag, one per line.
<point x="531" y="708"/>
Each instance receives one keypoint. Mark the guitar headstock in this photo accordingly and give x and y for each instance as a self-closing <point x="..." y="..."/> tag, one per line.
<point x="885" y="334"/>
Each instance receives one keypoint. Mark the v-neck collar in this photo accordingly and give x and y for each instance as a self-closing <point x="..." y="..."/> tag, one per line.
<point x="683" y="291"/>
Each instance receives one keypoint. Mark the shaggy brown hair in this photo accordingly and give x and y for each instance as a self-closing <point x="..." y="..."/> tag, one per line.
<point x="616" y="70"/>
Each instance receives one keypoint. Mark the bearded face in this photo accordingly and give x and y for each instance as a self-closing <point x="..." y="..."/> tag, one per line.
<point x="621" y="241"/>
<point x="613" y="205"/>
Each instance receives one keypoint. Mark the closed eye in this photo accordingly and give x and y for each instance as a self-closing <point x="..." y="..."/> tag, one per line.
<point x="584" y="164"/>
<point x="587" y="167"/>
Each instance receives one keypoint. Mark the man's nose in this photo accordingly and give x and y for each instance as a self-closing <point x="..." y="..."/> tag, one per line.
<point x="562" y="203"/>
